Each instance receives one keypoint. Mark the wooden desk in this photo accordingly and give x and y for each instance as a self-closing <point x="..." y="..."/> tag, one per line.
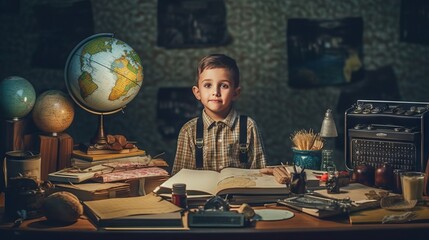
<point x="300" y="227"/>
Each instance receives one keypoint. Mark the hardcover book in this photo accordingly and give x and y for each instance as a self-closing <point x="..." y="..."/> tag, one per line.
<point x="97" y="157"/>
<point x="74" y="175"/>
<point x="147" y="211"/>
<point x="96" y="191"/>
<point x="130" y="174"/>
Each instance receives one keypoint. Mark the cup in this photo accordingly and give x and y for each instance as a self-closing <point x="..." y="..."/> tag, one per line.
<point x="412" y="185"/>
<point x="308" y="159"/>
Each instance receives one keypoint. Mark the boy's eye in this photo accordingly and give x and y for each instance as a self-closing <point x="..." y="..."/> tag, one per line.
<point x="224" y="85"/>
<point x="207" y="85"/>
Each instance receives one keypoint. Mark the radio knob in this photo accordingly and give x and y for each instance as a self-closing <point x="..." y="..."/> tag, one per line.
<point x="399" y="111"/>
<point x="409" y="113"/>
<point x="366" y="111"/>
<point x="420" y="109"/>
<point x="370" y="127"/>
<point x="409" y="130"/>
<point x="359" y="126"/>
<point x="357" y="110"/>
<point x="376" y="110"/>
<point x="398" y="129"/>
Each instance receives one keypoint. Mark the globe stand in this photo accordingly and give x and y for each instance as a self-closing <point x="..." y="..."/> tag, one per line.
<point x="100" y="140"/>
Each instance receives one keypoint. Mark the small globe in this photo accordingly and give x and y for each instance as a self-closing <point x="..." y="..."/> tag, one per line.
<point x="103" y="74"/>
<point x="17" y="97"/>
<point x="53" y="112"/>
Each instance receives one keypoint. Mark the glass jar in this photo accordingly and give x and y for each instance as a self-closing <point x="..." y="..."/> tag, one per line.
<point x="327" y="160"/>
<point x="178" y="196"/>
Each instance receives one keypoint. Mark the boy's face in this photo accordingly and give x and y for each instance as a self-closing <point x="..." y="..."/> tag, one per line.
<point x="216" y="91"/>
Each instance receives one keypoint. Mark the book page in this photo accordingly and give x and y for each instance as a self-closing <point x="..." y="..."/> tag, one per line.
<point x="249" y="181"/>
<point x="197" y="181"/>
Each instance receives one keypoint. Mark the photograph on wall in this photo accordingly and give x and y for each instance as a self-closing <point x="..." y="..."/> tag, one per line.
<point x="192" y="23"/>
<point x="324" y="52"/>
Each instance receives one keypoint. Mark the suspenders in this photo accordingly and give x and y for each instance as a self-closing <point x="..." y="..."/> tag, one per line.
<point x="199" y="143"/>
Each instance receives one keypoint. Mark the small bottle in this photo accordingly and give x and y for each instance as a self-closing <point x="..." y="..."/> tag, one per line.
<point x="178" y="196"/>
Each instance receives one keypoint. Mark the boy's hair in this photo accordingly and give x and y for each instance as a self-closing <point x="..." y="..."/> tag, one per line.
<point x="220" y="61"/>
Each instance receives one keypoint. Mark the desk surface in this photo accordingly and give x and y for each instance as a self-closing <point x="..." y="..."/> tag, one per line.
<point x="301" y="226"/>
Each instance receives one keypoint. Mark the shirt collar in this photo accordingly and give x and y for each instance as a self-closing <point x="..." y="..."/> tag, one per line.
<point x="229" y="121"/>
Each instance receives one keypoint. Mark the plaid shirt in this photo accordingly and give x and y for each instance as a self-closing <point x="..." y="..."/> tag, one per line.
<point x="221" y="144"/>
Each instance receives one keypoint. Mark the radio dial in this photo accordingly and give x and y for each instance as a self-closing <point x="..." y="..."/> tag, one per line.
<point x="398" y="129"/>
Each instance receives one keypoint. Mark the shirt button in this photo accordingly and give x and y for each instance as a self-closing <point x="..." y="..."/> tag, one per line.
<point x="220" y="140"/>
<point x="220" y="167"/>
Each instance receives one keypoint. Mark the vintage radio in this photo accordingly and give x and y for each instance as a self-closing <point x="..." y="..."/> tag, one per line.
<point x="393" y="132"/>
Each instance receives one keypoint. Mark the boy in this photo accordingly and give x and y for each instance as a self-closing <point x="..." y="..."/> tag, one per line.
<point x="218" y="142"/>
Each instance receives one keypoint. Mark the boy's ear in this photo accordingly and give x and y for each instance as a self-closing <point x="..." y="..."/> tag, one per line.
<point x="196" y="92"/>
<point x="237" y="92"/>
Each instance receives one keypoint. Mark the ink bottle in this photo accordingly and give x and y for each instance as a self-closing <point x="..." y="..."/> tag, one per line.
<point x="178" y="196"/>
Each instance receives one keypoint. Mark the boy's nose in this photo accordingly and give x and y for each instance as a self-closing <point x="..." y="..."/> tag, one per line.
<point x="216" y="92"/>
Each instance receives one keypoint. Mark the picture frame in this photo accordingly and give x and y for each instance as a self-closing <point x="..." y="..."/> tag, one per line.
<point x="192" y="23"/>
<point x="324" y="52"/>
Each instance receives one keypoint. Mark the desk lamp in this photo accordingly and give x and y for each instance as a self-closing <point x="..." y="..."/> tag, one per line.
<point x="328" y="131"/>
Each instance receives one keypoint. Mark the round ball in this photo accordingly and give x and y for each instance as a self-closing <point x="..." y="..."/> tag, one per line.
<point x="53" y="111"/>
<point x="62" y="207"/>
<point x="17" y="97"/>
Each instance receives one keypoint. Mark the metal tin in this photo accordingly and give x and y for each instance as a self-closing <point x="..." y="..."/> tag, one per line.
<point x="22" y="163"/>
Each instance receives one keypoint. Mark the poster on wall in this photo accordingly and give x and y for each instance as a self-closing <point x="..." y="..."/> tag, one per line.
<point x="175" y="106"/>
<point x="192" y="23"/>
<point x="324" y="52"/>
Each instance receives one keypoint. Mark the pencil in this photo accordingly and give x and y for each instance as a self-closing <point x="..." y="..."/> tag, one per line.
<point x="287" y="170"/>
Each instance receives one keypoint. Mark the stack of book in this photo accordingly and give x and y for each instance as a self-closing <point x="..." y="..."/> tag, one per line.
<point x="82" y="160"/>
<point x="110" y="167"/>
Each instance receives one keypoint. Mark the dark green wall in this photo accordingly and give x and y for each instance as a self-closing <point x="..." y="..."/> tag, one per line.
<point x="258" y="29"/>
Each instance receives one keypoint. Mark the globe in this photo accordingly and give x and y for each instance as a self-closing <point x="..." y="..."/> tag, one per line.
<point x="103" y="74"/>
<point x="17" y="97"/>
<point x="53" y="112"/>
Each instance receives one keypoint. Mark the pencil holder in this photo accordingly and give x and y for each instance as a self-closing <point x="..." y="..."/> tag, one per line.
<point x="309" y="159"/>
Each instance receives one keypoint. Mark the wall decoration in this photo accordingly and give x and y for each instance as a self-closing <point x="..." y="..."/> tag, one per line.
<point x="176" y="105"/>
<point x="192" y="23"/>
<point x="324" y="52"/>
<point x="414" y="21"/>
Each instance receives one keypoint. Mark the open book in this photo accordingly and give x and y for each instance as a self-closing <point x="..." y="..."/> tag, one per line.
<point x="200" y="183"/>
